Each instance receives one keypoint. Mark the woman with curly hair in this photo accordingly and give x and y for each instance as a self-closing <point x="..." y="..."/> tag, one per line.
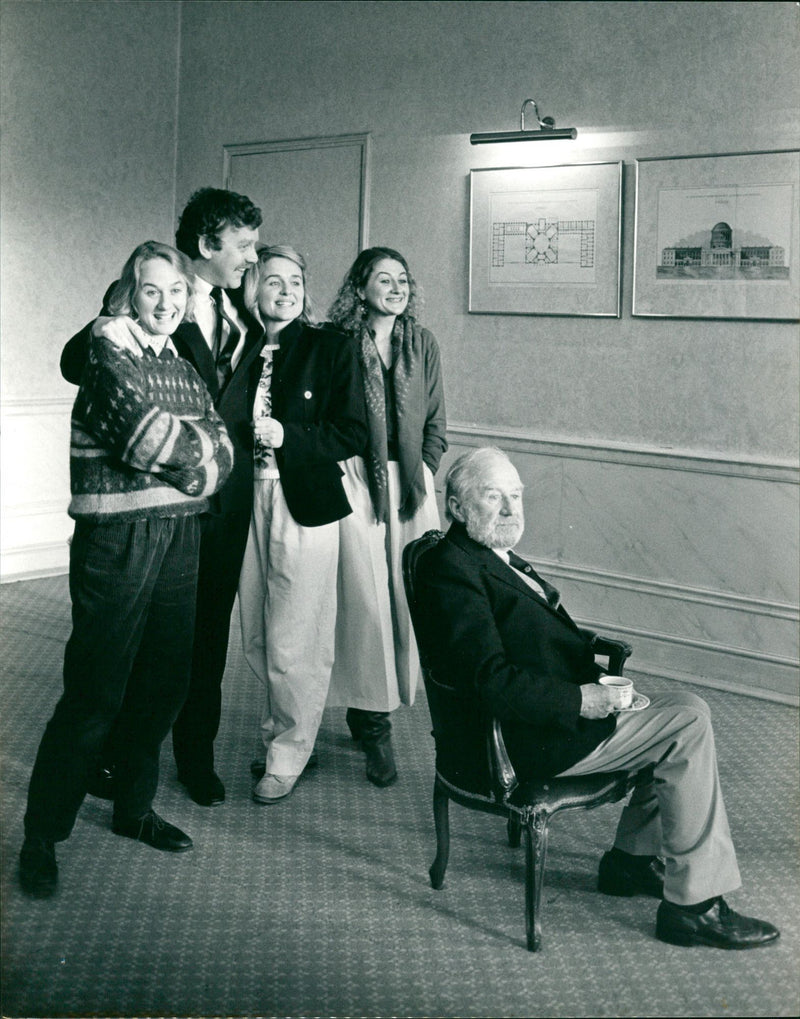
<point x="391" y="491"/>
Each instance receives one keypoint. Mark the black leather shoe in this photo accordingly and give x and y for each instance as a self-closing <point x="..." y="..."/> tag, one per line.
<point x="258" y="768"/>
<point x="381" y="768"/>
<point x="206" y="790"/>
<point x="38" y="870"/>
<point x="101" y="783"/>
<point x="155" y="831"/>
<point x="624" y="874"/>
<point x="719" y="927"/>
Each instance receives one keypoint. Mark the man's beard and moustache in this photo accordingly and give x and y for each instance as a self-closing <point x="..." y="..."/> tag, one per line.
<point x="498" y="532"/>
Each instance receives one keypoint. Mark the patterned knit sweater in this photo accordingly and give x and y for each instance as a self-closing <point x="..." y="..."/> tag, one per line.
<point x="146" y="440"/>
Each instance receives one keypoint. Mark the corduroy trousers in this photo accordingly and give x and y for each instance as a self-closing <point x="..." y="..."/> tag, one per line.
<point x="126" y="666"/>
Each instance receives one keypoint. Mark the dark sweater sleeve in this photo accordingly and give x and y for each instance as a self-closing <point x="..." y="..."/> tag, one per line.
<point x="193" y="452"/>
<point x="434" y="441"/>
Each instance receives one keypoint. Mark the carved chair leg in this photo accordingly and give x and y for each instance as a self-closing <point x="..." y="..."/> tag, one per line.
<point x="514" y="829"/>
<point x="535" y="858"/>
<point x="441" y="818"/>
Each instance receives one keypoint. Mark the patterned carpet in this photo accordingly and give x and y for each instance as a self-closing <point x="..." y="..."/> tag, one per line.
<point x="321" y="906"/>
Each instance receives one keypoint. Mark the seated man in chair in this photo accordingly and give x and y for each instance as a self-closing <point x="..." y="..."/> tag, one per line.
<point x="495" y="630"/>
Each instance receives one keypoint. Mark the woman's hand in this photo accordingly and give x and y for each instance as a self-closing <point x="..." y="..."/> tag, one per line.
<point x="122" y="331"/>
<point x="269" y="431"/>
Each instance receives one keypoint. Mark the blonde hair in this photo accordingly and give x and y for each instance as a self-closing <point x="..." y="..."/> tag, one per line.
<point x="253" y="276"/>
<point x="121" y="300"/>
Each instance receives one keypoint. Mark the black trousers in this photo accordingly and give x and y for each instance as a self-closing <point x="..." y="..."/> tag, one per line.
<point x="222" y="545"/>
<point x="126" y="666"/>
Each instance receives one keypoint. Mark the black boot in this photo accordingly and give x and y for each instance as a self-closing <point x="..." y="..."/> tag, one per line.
<point x="375" y="734"/>
<point x="354" y="718"/>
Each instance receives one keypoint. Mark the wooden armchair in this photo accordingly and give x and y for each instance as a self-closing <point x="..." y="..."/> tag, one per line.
<point x="492" y="785"/>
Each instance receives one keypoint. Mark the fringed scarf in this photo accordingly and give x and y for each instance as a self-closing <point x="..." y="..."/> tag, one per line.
<point x="404" y="364"/>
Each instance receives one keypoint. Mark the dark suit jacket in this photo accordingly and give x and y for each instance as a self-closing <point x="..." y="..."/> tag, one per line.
<point x="234" y="403"/>
<point x="492" y="637"/>
<point x="318" y="397"/>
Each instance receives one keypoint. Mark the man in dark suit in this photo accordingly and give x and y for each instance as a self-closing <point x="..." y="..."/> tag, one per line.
<point x="218" y="231"/>
<point x="497" y="631"/>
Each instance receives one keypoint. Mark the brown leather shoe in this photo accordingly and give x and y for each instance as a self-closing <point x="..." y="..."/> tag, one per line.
<point x="719" y="927"/>
<point x="622" y="873"/>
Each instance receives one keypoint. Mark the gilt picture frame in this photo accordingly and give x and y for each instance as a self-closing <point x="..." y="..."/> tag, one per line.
<point x="717" y="236"/>
<point x="546" y="240"/>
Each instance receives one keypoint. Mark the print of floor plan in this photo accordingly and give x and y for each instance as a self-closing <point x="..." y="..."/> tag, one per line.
<point x="543" y="242"/>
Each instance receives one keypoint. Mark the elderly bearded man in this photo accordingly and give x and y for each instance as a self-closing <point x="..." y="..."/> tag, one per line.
<point x="497" y="631"/>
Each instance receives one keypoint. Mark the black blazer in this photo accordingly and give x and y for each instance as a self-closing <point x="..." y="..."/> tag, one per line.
<point x="318" y="397"/>
<point x="493" y="638"/>
<point x="236" y="495"/>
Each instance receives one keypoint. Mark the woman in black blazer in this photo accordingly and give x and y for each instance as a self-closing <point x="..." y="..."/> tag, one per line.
<point x="308" y="414"/>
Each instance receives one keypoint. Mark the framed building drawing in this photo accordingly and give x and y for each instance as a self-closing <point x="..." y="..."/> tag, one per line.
<point x="545" y="240"/>
<point x="717" y="236"/>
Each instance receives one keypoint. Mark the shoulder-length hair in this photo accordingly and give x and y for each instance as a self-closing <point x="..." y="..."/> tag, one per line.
<point x="348" y="310"/>
<point x="255" y="273"/>
<point x="121" y="300"/>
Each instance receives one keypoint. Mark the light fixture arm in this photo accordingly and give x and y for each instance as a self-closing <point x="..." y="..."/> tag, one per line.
<point x="547" y="124"/>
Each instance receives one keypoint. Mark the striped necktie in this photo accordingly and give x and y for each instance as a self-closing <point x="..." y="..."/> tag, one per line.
<point x="223" y="346"/>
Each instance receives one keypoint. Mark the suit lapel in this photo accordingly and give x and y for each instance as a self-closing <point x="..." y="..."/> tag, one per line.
<point x="253" y="340"/>
<point x="506" y="574"/>
<point x="191" y="344"/>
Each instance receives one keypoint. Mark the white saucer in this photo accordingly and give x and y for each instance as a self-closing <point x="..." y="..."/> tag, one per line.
<point x="639" y="702"/>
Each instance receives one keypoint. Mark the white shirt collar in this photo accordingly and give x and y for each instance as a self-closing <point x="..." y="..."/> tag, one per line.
<point x="158" y="343"/>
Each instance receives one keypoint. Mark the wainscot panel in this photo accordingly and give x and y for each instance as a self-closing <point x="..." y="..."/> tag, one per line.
<point x="694" y="557"/>
<point x="35" y="488"/>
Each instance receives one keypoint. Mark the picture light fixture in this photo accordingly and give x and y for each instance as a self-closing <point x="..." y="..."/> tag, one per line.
<point x="547" y="130"/>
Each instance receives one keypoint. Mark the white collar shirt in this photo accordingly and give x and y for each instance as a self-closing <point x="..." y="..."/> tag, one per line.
<point x="205" y="315"/>
<point x="502" y="553"/>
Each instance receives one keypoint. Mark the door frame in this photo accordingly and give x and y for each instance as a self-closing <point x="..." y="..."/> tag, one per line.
<point x="360" y="141"/>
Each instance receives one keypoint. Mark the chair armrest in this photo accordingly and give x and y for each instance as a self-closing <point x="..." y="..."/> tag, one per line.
<point x="501" y="767"/>
<point x="618" y="652"/>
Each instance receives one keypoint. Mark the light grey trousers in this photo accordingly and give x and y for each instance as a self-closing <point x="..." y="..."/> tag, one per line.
<point x="676" y="810"/>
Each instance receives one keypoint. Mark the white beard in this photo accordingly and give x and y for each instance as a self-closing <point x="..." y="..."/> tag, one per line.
<point x="498" y="533"/>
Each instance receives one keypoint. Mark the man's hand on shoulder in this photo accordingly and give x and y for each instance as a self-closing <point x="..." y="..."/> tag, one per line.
<point x="598" y="701"/>
<point x="121" y="330"/>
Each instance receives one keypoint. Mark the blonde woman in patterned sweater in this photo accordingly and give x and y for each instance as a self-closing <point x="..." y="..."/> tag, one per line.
<point x="147" y="450"/>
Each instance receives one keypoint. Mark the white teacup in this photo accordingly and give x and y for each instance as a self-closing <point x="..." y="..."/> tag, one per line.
<point x="623" y="687"/>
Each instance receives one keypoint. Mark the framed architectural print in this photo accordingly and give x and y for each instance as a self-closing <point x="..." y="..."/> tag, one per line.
<point x="545" y="240"/>
<point x="717" y="236"/>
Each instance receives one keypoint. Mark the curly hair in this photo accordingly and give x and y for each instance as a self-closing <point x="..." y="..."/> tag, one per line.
<point x="348" y="310"/>
<point x="207" y="213"/>
<point x="120" y="301"/>
<point x="252" y="278"/>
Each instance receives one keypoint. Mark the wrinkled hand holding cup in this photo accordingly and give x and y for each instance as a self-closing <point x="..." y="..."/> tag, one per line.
<point x="621" y="688"/>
